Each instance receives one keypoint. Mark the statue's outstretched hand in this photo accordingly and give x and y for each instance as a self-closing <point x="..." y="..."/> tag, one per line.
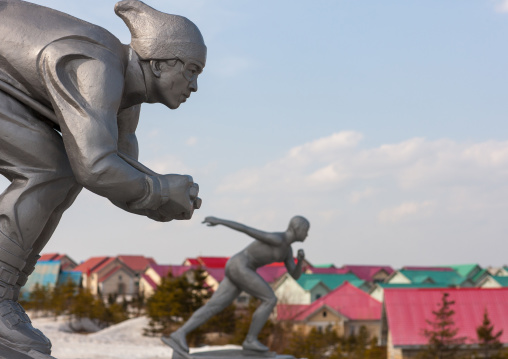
<point x="300" y="255"/>
<point x="211" y="221"/>
<point x="182" y="199"/>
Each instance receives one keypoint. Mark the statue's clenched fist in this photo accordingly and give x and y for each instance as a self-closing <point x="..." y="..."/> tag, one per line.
<point x="300" y="255"/>
<point x="182" y="197"/>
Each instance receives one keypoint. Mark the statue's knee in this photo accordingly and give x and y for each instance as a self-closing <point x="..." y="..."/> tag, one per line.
<point x="272" y="302"/>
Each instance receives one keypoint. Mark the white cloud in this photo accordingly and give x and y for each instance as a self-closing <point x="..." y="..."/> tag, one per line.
<point x="405" y="210"/>
<point x="502" y="6"/>
<point x="357" y="196"/>
<point x="168" y="164"/>
<point x="191" y="141"/>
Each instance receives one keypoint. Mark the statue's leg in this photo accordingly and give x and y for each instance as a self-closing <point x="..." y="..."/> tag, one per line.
<point x="223" y="296"/>
<point x="42" y="186"/>
<point x="252" y="283"/>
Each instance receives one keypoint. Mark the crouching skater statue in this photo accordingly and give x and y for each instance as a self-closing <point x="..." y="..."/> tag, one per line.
<point x="70" y="97"/>
<point x="241" y="276"/>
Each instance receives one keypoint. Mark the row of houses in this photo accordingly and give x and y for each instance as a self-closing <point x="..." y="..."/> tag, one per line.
<point x="393" y="305"/>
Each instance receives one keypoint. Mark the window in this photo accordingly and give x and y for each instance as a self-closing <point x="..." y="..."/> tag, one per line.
<point x="325" y="314"/>
<point x="120" y="277"/>
<point x="121" y="288"/>
<point x="318" y="296"/>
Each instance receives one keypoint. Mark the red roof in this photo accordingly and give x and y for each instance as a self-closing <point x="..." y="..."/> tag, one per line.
<point x="192" y="261"/>
<point x="110" y="273"/>
<point x="347" y="300"/>
<point x="91" y="264"/>
<point x="367" y="272"/>
<point x="408" y="309"/>
<point x="49" y="257"/>
<point x="137" y="263"/>
<point x="103" y="264"/>
<point x="438" y="269"/>
<point x="213" y="262"/>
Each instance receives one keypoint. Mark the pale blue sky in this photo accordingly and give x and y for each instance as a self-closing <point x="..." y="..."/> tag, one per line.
<point x="383" y="122"/>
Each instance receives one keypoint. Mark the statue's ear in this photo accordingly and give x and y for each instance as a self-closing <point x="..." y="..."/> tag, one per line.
<point x="155" y="66"/>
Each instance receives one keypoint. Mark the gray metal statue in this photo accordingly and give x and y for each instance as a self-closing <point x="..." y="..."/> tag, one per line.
<point x="70" y="97"/>
<point x="241" y="276"/>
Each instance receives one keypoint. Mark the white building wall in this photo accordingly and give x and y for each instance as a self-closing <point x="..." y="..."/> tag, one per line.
<point x="290" y="292"/>
<point x="399" y="278"/>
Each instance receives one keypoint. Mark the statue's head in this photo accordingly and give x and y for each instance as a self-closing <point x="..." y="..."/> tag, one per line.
<point x="171" y="47"/>
<point x="300" y="225"/>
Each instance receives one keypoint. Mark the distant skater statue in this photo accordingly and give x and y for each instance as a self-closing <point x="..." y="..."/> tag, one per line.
<point x="241" y="276"/>
<point x="70" y="97"/>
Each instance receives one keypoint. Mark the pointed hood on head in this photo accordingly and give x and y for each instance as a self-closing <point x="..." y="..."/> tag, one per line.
<point x="160" y="36"/>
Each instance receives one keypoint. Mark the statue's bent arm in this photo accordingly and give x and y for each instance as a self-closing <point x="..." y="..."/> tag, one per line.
<point x="85" y="85"/>
<point x="274" y="239"/>
<point x="294" y="270"/>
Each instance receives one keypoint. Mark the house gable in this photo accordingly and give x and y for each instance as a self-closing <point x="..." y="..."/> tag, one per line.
<point x="398" y="277"/>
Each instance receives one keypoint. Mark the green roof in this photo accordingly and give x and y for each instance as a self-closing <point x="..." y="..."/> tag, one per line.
<point x="332" y="281"/>
<point x="446" y="278"/>
<point x="465" y="269"/>
<point x="480" y="274"/>
<point x="503" y="281"/>
<point x="324" y="265"/>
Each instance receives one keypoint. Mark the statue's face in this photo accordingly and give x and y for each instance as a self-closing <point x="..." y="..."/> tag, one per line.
<point x="176" y="81"/>
<point x="301" y="233"/>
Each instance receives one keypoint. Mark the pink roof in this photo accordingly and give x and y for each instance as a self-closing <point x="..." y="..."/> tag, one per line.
<point x="149" y="280"/>
<point x="290" y="311"/>
<point x="347" y="300"/>
<point x="90" y="264"/>
<point x="330" y="270"/>
<point x="367" y="272"/>
<point x="271" y="274"/>
<point x="437" y="269"/>
<point x="176" y="271"/>
<point x="408" y="309"/>
<point x="216" y="273"/>
<point x="136" y="263"/>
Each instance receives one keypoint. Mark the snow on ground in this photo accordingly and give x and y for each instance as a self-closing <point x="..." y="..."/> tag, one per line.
<point x="124" y="340"/>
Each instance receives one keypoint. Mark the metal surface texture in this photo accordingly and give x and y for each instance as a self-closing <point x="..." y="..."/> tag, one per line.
<point x="70" y="98"/>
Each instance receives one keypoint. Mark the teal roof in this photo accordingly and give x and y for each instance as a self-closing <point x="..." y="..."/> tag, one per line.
<point x="411" y="285"/>
<point x="446" y="278"/>
<point x="45" y="274"/>
<point x="324" y="265"/>
<point x="332" y="281"/>
<point x="503" y="281"/>
<point x="465" y="269"/>
<point x="479" y="275"/>
<point x="74" y="277"/>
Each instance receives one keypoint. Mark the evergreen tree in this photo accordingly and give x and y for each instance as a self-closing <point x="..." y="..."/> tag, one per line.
<point x="39" y="299"/>
<point x="442" y="337"/>
<point x="174" y="301"/>
<point x="315" y="345"/>
<point x="488" y="340"/>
